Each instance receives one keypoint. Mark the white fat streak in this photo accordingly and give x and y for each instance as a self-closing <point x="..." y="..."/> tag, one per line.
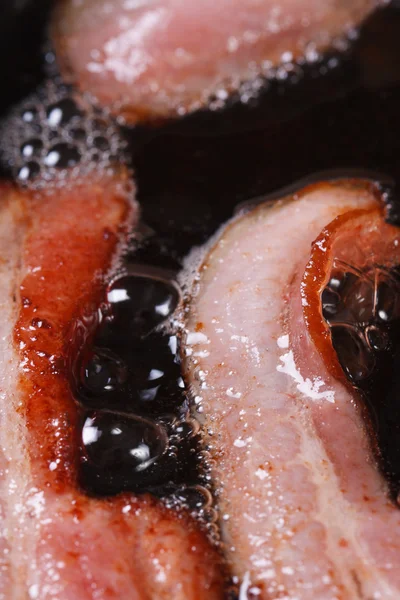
<point x="283" y="341"/>
<point x="33" y="591"/>
<point x="124" y="55"/>
<point x="310" y="389"/>
<point x="194" y="338"/>
<point x="244" y="587"/>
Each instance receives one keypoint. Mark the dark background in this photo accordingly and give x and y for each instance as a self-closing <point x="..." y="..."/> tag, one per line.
<point x="191" y="174"/>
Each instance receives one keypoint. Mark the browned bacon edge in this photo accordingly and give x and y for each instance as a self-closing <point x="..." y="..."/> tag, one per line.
<point x="57" y="248"/>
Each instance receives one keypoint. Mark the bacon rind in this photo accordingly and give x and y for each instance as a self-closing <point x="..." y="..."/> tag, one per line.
<point x="57" y="248"/>
<point x="304" y="509"/>
<point x="152" y="60"/>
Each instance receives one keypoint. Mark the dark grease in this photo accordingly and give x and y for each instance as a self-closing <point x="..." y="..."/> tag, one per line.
<point x="125" y="444"/>
<point x="136" y="431"/>
<point x="188" y="184"/>
<point x="363" y="310"/>
<point x="141" y="302"/>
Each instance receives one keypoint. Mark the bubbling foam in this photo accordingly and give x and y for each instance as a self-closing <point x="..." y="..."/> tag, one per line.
<point x="137" y="433"/>
<point x="360" y="308"/>
<point x="54" y="131"/>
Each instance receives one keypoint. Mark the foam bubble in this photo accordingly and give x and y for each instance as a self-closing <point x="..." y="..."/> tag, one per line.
<point x="55" y="131"/>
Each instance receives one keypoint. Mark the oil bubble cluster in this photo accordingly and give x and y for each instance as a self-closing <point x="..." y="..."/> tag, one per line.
<point x="55" y="130"/>
<point x="360" y="307"/>
<point x="136" y="430"/>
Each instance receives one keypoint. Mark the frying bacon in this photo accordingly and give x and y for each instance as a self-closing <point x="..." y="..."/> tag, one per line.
<point x="56" y="543"/>
<point x="305" y="510"/>
<point x="152" y="59"/>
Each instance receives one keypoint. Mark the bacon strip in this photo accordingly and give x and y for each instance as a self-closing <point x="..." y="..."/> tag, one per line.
<point x="56" y="249"/>
<point x="152" y="59"/>
<point x="305" y="512"/>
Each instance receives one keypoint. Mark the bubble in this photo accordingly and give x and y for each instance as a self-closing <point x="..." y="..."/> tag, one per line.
<point x="78" y="134"/>
<point x="348" y="297"/>
<point x="141" y="303"/>
<point x="391" y="202"/>
<point x="168" y="421"/>
<point x="168" y="472"/>
<point x="330" y="302"/>
<point x="60" y="130"/>
<point x="62" y="156"/>
<point x="135" y="371"/>
<point x="173" y="452"/>
<point x="342" y="281"/>
<point x="360" y="306"/>
<point x="356" y="357"/>
<point x="100" y="124"/>
<point x="62" y="112"/>
<point x="378" y="339"/>
<point x="101" y="143"/>
<point x="103" y="374"/>
<point x="360" y="300"/>
<point x="29" y="171"/>
<point x="186" y="428"/>
<point x="387" y="305"/>
<point x="115" y="441"/>
<point x="195" y="497"/>
<point x="32" y="148"/>
<point x="147" y="374"/>
<point x="29" y="114"/>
